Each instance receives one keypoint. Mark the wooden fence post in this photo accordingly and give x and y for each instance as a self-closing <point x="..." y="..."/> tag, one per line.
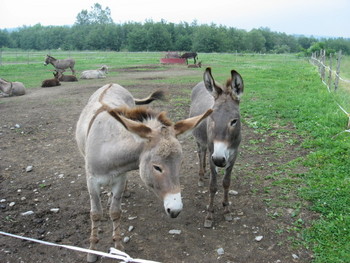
<point x="330" y="72"/>
<point x="336" y="82"/>
<point x="322" y="64"/>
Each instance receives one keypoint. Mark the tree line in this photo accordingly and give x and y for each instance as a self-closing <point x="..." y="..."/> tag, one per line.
<point x="95" y="30"/>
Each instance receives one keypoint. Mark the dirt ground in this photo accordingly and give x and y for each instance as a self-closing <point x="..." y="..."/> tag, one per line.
<point x="38" y="130"/>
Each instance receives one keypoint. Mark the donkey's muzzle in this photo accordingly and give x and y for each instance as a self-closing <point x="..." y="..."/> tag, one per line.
<point x="173" y="214"/>
<point x="220" y="154"/>
<point x="173" y="204"/>
<point x="219" y="161"/>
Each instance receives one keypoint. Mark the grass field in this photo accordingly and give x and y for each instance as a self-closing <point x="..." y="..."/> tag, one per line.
<point x="279" y="90"/>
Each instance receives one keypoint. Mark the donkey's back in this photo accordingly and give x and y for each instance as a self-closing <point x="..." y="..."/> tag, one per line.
<point x="113" y="95"/>
<point x="201" y="101"/>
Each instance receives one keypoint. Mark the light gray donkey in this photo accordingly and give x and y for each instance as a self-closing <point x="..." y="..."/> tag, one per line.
<point x="220" y="132"/>
<point x="8" y="88"/>
<point x="60" y="64"/>
<point x="115" y="137"/>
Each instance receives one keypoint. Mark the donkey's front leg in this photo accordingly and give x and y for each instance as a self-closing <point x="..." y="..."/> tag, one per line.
<point x="73" y="71"/>
<point x="208" y="223"/>
<point x="115" y="209"/>
<point x="226" y="185"/>
<point x="95" y="216"/>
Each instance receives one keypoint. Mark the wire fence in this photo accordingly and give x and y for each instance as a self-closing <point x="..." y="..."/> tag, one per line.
<point x="330" y="76"/>
<point x="13" y="57"/>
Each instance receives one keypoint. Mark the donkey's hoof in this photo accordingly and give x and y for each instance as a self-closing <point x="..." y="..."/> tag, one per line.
<point x="126" y="194"/>
<point x="200" y="183"/>
<point x="208" y="223"/>
<point x="119" y="246"/>
<point x="228" y="217"/>
<point x="91" y="258"/>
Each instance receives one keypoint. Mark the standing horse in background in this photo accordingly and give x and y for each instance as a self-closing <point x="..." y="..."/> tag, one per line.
<point x="220" y="132"/>
<point x="190" y="55"/>
<point x="60" y="64"/>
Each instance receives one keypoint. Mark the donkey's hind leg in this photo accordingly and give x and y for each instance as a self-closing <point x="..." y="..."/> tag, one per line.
<point x="73" y="71"/>
<point x="115" y="210"/>
<point x="126" y="193"/>
<point x="96" y="214"/>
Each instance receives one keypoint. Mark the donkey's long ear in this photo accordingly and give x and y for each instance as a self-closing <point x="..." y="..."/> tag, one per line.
<point x="187" y="125"/>
<point x="137" y="128"/>
<point x="209" y="83"/>
<point x="237" y="83"/>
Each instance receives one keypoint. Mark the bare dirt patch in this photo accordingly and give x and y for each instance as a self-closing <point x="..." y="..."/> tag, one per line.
<point x="45" y="140"/>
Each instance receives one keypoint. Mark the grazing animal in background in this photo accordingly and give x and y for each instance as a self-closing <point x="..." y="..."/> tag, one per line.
<point x="115" y="137"/>
<point x="220" y="132"/>
<point x="95" y="74"/>
<point x="51" y="82"/>
<point x="9" y="88"/>
<point x="61" y="64"/>
<point x="66" y="78"/>
<point x="198" y="65"/>
<point x="190" y="55"/>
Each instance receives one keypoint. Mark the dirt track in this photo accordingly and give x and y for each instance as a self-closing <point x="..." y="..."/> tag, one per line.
<point x="45" y="140"/>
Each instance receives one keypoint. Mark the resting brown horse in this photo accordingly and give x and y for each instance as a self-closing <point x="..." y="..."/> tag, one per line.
<point x="65" y="78"/>
<point x="60" y="64"/>
<point x="51" y="82"/>
<point x="190" y="55"/>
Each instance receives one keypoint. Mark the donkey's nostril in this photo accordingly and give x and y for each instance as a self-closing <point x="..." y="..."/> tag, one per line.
<point x="219" y="161"/>
<point x="169" y="211"/>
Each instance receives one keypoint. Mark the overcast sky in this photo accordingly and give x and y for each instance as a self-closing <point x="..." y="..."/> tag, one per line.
<point x="307" y="17"/>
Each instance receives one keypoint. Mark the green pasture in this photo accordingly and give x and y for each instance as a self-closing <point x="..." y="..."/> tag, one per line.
<point x="280" y="91"/>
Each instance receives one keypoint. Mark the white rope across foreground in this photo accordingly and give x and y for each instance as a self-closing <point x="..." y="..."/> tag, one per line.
<point x="113" y="253"/>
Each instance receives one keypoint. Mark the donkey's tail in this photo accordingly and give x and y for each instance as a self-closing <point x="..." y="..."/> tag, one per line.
<point x="156" y="95"/>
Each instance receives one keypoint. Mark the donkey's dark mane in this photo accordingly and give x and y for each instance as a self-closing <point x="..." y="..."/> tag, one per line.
<point x="142" y="114"/>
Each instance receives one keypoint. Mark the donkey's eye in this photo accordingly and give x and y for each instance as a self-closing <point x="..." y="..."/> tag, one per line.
<point x="157" y="168"/>
<point x="233" y="122"/>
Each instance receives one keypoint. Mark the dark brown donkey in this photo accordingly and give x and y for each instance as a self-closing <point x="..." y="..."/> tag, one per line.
<point x="220" y="132"/>
<point x="190" y="55"/>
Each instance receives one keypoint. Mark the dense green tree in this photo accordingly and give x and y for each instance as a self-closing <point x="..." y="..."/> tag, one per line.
<point x="256" y="41"/>
<point x="94" y="29"/>
<point x="236" y="40"/>
<point x="183" y="37"/>
<point x="306" y="42"/>
<point x="270" y="38"/>
<point x="338" y="44"/>
<point x="4" y="38"/>
<point x="137" y="40"/>
<point x="97" y="15"/>
<point x="207" y="39"/>
<point x="183" y="43"/>
<point x="158" y="38"/>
